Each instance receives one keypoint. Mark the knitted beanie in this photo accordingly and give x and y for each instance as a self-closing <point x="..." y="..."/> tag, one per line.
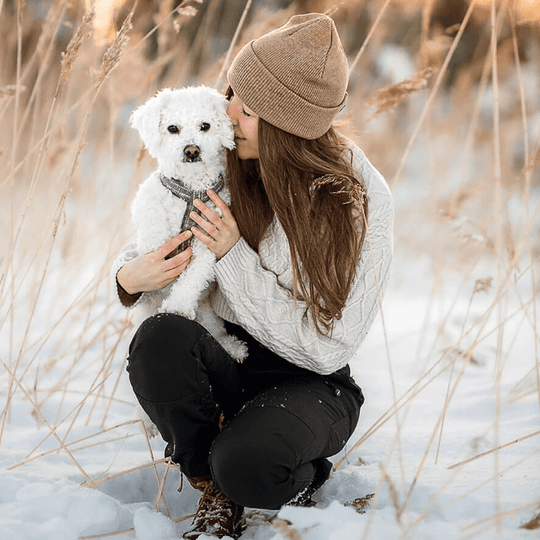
<point x="295" y="77"/>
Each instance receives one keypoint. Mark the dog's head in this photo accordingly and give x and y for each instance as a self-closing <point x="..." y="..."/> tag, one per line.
<point x="185" y="126"/>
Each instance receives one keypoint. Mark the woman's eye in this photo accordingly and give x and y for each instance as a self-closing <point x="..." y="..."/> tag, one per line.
<point x="244" y="112"/>
<point x="173" y="129"/>
<point x="205" y="126"/>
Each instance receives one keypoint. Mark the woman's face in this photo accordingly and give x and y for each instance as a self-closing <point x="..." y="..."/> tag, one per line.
<point x="246" y="124"/>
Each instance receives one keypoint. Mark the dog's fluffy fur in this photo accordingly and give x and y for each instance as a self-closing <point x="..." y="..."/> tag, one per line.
<point x="158" y="214"/>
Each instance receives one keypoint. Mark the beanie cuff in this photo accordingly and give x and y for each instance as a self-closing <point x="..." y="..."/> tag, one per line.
<point x="274" y="102"/>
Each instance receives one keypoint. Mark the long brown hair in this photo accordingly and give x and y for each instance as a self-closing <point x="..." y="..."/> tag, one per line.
<point x="309" y="185"/>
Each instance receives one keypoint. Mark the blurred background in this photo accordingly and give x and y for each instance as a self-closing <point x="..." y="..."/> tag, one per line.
<point x="444" y="100"/>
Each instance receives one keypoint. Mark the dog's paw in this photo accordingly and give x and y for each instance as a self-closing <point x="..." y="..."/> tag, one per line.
<point x="242" y="351"/>
<point x="170" y="307"/>
<point x="149" y="426"/>
<point x="236" y="348"/>
<point x="188" y="314"/>
<point x="151" y="429"/>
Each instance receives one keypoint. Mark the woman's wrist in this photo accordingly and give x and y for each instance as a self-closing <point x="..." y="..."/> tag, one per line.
<point x="124" y="282"/>
<point x="126" y="299"/>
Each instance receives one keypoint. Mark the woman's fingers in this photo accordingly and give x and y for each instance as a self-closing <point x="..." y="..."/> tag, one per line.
<point x="177" y="264"/>
<point x="220" y="203"/>
<point x="210" y="215"/>
<point x="210" y="227"/>
<point x="218" y="233"/>
<point x="169" y="246"/>
<point x="153" y="271"/>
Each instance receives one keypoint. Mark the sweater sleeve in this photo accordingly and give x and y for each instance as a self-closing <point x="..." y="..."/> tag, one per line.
<point x="128" y="253"/>
<point x="266" y="308"/>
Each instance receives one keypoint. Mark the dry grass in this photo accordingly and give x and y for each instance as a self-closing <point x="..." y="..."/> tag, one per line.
<point x="533" y="162"/>
<point x="534" y="523"/>
<point x="286" y="529"/>
<point x="387" y="98"/>
<point x="69" y="57"/>
<point x="361" y="504"/>
<point x="69" y="163"/>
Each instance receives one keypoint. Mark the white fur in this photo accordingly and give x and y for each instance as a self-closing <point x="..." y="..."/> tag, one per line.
<point x="158" y="214"/>
<point x="151" y="429"/>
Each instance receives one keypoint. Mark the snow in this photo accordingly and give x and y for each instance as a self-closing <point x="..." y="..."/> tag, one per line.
<point x="399" y="462"/>
<point x="149" y="525"/>
<point x="394" y="64"/>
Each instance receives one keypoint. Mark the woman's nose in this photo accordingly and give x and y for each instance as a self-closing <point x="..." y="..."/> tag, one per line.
<point x="230" y="113"/>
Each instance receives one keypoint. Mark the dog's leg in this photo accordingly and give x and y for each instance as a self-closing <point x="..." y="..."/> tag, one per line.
<point x="151" y="428"/>
<point x="214" y="324"/>
<point x="188" y="289"/>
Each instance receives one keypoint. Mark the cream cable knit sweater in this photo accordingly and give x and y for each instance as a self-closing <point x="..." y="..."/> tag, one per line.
<point x="254" y="290"/>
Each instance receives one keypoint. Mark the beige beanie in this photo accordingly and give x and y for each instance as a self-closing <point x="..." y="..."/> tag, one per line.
<point x="295" y="77"/>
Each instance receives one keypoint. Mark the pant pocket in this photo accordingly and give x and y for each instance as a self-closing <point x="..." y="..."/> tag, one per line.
<point x="338" y="437"/>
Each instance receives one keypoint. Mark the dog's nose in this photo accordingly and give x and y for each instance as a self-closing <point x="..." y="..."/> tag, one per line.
<point x="192" y="151"/>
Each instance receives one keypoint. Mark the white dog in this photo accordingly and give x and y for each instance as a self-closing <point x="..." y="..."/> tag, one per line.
<point x="186" y="131"/>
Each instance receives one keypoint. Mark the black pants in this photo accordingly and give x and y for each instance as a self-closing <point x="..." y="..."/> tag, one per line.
<point x="281" y="421"/>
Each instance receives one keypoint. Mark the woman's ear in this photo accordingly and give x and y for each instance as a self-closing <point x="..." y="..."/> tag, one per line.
<point x="146" y="120"/>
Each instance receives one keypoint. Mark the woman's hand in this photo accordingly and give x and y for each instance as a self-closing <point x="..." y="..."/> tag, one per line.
<point x="219" y="234"/>
<point x="151" y="271"/>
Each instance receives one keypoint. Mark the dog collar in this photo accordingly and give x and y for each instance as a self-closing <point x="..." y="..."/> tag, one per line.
<point x="180" y="190"/>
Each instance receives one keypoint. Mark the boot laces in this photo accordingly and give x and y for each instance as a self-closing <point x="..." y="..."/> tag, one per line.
<point x="216" y="514"/>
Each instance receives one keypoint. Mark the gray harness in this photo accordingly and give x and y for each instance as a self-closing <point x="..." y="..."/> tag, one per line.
<point x="180" y="190"/>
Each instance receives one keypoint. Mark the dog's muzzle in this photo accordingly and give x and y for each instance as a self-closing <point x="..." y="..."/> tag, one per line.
<point x="192" y="153"/>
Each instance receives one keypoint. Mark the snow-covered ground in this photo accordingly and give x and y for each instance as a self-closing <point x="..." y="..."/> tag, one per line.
<point x="398" y="482"/>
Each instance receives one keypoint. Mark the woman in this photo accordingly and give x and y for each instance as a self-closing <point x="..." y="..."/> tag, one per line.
<point x="299" y="280"/>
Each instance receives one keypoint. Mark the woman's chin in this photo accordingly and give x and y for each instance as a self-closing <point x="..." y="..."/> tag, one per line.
<point x="244" y="154"/>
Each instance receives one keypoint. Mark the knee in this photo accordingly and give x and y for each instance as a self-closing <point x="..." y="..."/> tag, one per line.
<point x="159" y="337"/>
<point x="253" y="467"/>
<point x="247" y="475"/>
<point x="159" y="356"/>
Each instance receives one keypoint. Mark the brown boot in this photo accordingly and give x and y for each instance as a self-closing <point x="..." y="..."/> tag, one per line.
<point x="216" y="514"/>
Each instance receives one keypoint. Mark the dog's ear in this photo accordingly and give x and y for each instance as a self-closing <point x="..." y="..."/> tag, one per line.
<point x="226" y="129"/>
<point x="146" y="120"/>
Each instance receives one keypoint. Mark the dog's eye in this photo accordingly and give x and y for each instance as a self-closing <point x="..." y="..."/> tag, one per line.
<point x="205" y="126"/>
<point x="173" y="129"/>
